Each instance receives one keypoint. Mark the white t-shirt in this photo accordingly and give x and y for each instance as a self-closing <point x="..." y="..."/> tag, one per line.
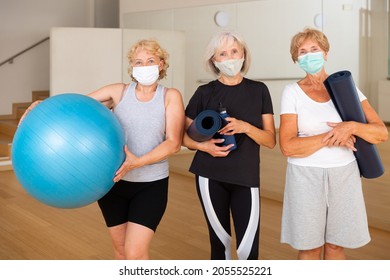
<point x="312" y="118"/>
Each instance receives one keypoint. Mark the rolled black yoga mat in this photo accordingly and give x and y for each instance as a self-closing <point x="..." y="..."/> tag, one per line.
<point x="342" y="91"/>
<point x="205" y="125"/>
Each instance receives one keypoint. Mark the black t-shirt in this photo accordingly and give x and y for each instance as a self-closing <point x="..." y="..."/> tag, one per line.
<point x="247" y="101"/>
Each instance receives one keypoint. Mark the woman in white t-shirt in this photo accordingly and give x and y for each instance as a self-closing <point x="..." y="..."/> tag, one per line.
<point x="323" y="208"/>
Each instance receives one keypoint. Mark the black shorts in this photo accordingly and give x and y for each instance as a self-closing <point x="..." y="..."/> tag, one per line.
<point x="142" y="203"/>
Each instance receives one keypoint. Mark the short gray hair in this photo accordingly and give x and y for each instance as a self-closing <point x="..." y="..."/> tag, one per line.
<point x="216" y="42"/>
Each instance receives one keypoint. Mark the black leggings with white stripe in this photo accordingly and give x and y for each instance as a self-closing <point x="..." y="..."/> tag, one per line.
<point x="218" y="200"/>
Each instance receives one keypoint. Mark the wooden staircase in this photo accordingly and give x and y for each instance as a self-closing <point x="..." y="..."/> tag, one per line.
<point x="8" y="126"/>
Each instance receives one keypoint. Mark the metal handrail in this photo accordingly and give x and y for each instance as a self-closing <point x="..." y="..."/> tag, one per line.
<point x="11" y="59"/>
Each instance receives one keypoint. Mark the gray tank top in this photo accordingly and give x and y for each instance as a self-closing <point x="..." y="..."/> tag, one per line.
<point x="144" y="127"/>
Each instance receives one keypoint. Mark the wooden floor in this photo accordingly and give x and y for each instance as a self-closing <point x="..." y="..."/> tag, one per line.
<point x="32" y="230"/>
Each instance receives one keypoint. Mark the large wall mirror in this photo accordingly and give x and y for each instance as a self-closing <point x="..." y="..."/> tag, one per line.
<point x="357" y="31"/>
<point x="267" y="30"/>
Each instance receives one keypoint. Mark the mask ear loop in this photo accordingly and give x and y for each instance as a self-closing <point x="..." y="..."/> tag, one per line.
<point x="325" y="56"/>
<point x="216" y="68"/>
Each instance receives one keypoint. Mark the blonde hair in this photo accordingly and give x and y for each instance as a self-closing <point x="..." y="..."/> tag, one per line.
<point x="153" y="47"/>
<point x="308" y="33"/>
<point x="220" y="39"/>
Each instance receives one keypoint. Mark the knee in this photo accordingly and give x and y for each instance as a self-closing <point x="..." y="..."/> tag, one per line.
<point x="312" y="254"/>
<point x="333" y="248"/>
<point x="119" y="255"/>
<point x="334" y="252"/>
<point x="119" y="252"/>
<point x="136" y="254"/>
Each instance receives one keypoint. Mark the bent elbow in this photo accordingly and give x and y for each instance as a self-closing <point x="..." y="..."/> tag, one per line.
<point x="285" y="151"/>
<point x="271" y="145"/>
<point x="386" y="136"/>
<point x="172" y="146"/>
<point x="176" y="147"/>
<point x="382" y="138"/>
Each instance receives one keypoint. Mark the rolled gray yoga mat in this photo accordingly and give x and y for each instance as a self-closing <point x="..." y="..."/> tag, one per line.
<point x="342" y="91"/>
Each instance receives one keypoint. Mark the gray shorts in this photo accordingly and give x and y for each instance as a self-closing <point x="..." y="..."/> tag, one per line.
<point x="324" y="205"/>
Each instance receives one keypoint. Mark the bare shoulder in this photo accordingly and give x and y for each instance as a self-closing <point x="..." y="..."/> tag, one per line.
<point x="172" y="94"/>
<point x="173" y="91"/>
<point x="173" y="100"/>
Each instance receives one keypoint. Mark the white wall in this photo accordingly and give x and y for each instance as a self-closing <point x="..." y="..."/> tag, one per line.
<point x="384" y="100"/>
<point x="106" y="13"/>
<point x="347" y="25"/>
<point x="82" y="62"/>
<point x="377" y="15"/>
<point x="126" y="6"/>
<point x="24" y="23"/>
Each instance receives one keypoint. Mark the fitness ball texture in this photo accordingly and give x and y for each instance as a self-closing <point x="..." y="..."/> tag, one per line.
<point x="67" y="149"/>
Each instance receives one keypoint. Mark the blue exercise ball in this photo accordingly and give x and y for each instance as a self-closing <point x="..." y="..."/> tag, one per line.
<point x="67" y="149"/>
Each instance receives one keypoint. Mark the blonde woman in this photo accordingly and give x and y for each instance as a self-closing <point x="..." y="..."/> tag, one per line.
<point x="152" y="117"/>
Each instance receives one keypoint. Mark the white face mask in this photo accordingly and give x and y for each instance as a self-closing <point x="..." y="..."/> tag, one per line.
<point x="146" y="75"/>
<point x="230" y="67"/>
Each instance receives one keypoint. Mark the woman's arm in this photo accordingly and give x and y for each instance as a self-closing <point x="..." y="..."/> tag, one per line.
<point x="293" y="146"/>
<point x="265" y="137"/>
<point x="109" y="95"/>
<point x="374" y="131"/>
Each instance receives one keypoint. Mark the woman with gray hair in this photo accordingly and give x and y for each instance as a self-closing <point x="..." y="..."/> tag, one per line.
<point x="227" y="179"/>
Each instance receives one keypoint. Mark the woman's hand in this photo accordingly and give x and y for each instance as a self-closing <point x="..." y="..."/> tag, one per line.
<point x="211" y="147"/>
<point x="234" y="126"/>
<point x="129" y="164"/>
<point x="341" y="135"/>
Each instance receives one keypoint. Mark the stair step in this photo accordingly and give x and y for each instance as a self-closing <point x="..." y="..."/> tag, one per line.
<point x="9" y="124"/>
<point x="40" y="95"/>
<point x="20" y="108"/>
<point x="5" y="146"/>
<point x="20" y="112"/>
<point x="8" y="127"/>
<point x="5" y="164"/>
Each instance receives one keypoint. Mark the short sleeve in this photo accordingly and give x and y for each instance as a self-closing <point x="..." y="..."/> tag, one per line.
<point x="362" y="97"/>
<point x="267" y="102"/>
<point x="288" y="101"/>
<point x="194" y="105"/>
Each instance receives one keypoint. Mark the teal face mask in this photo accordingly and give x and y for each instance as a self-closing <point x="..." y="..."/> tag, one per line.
<point x="311" y="63"/>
